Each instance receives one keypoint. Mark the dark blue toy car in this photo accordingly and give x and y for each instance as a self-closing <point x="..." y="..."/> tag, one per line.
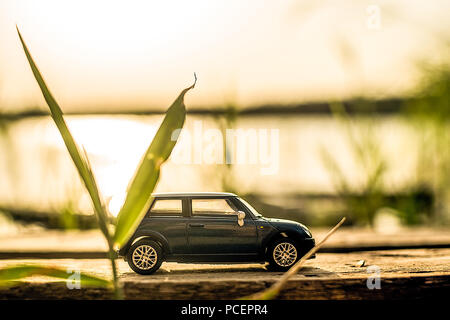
<point x="213" y="228"/>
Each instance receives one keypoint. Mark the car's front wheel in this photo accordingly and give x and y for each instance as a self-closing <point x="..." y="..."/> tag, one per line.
<point x="282" y="254"/>
<point x="145" y="256"/>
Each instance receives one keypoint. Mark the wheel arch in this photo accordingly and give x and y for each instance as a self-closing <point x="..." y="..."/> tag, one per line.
<point x="150" y="235"/>
<point x="280" y="235"/>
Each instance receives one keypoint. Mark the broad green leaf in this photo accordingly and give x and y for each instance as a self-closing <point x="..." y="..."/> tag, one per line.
<point x="10" y="274"/>
<point x="79" y="159"/>
<point x="139" y="193"/>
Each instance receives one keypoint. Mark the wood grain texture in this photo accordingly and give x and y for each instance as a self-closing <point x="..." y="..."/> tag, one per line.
<point x="405" y="274"/>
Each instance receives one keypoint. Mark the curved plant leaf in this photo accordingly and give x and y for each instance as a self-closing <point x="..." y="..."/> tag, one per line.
<point x="79" y="158"/>
<point x="139" y="192"/>
<point x="11" y="274"/>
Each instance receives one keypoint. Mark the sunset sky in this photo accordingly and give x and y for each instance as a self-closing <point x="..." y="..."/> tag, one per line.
<point x="138" y="55"/>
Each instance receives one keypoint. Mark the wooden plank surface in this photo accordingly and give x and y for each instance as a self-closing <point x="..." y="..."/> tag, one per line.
<point x="412" y="273"/>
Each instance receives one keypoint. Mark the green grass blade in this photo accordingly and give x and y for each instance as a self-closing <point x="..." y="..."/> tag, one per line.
<point x="146" y="176"/>
<point x="10" y="274"/>
<point x="79" y="159"/>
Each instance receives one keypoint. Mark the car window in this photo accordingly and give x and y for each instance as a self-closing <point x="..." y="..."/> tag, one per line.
<point x="253" y="210"/>
<point x="167" y="206"/>
<point x="213" y="206"/>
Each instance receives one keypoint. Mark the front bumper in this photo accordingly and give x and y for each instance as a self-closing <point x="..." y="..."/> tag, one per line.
<point x="306" y="245"/>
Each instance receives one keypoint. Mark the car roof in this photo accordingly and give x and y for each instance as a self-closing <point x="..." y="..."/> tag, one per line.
<point x="192" y="194"/>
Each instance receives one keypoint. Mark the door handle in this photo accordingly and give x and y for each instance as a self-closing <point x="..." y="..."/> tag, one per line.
<point x="196" y="225"/>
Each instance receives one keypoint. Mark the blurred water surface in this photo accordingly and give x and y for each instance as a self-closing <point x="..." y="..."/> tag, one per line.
<point x="37" y="172"/>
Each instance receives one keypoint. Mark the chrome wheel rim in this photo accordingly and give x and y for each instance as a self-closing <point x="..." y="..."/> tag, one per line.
<point x="145" y="257"/>
<point x="285" y="254"/>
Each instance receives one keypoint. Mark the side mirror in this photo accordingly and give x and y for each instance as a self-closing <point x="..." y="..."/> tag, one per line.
<point x="241" y="216"/>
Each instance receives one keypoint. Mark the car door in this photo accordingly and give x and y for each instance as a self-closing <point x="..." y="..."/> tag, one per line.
<point x="213" y="229"/>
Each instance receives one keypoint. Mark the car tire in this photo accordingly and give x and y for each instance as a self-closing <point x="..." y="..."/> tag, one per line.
<point x="282" y="254"/>
<point x="145" y="256"/>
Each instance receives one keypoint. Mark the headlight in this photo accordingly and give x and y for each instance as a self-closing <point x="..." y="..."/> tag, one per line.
<point x="306" y="230"/>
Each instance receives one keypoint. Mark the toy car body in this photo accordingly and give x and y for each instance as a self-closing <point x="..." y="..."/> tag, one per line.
<point x="212" y="228"/>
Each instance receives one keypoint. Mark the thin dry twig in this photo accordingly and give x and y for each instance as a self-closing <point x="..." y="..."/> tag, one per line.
<point x="275" y="289"/>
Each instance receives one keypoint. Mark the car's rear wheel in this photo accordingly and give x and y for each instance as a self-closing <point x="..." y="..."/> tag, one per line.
<point x="282" y="254"/>
<point x="145" y="256"/>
